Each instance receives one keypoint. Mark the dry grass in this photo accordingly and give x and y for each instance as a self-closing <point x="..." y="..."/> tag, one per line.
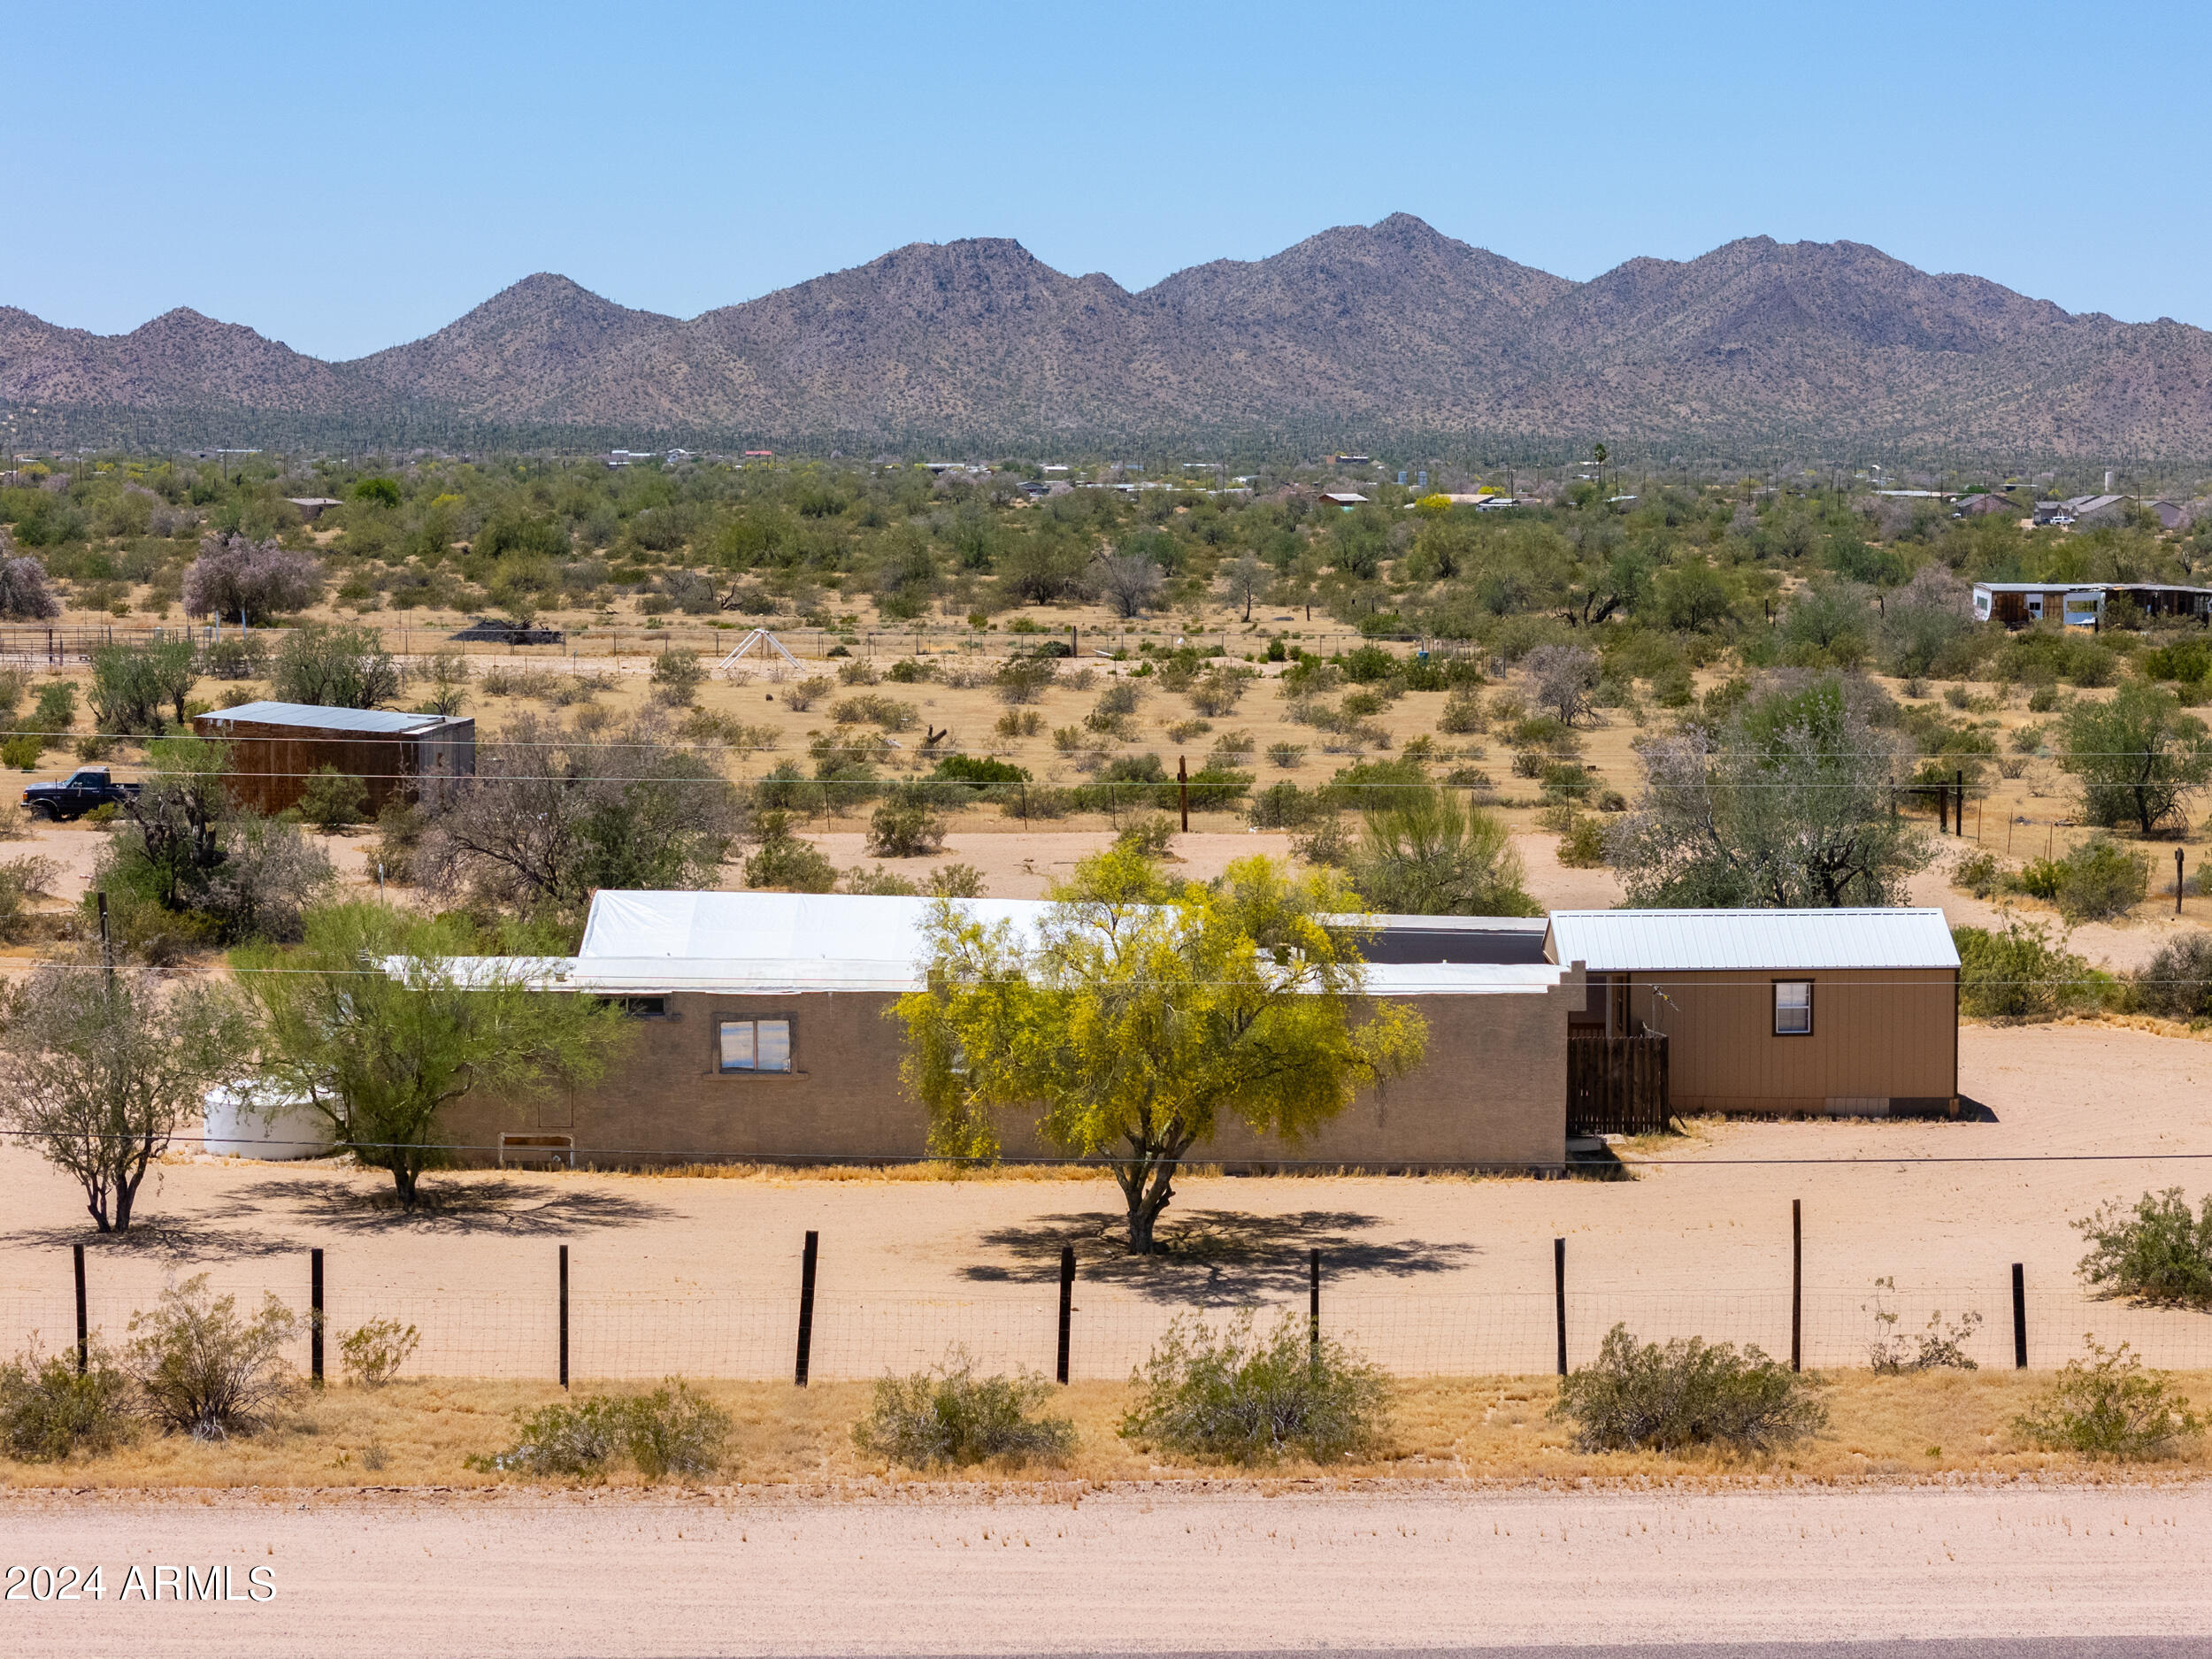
<point x="1945" y="1424"/>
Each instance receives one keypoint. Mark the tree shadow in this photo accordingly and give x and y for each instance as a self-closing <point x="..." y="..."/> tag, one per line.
<point x="181" y="1237"/>
<point x="509" y="1208"/>
<point x="1208" y="1254"/>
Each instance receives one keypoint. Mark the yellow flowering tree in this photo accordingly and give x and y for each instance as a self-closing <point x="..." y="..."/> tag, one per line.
<point x="1145" y="1012"/>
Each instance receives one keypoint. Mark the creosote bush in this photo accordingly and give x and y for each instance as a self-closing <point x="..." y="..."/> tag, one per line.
<point x="1649" y="1397"/>
<point x="371" y="1354"/>
<point x="2105" y="1405"/>
<point x="1252" y="1397"/>
<point x="672" y="1431"/>
<point x="332" y="800"/>
<point x="2155" y="1252"/>
<point x="204" y="1370"/>
<point x="949" y="1415"/>
<point x="1939" y="1347"/>
<point x="47" y="1412"/>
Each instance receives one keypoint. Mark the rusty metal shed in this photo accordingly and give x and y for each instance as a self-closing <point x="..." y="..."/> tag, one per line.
<point x="275" y="747"/>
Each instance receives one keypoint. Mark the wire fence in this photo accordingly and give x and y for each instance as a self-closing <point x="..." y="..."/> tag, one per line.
<point x="516" y="1332"/>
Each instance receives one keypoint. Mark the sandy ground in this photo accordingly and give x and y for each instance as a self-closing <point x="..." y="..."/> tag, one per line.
<point x="1133" y="1570"/>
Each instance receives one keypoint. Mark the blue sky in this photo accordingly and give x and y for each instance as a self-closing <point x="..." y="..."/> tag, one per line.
<point x="346" y="177"/>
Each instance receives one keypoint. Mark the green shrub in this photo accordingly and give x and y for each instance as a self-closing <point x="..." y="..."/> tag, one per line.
<point x="573" y="1439"/>
<point x="1368" y="664"/>
<point x="979" y="772"/>
<point x="2097" y="880"/>
<point x="1283" y="806"/>
<point x="905" y="827"/>
<point x="1150" y="836"/>
<point x="371" y="1355"/>
<point x="333" y="799"/>
<point x="21" y="753"/>
<point x="1249" y="1397"/>
<point x="949" y="1415"/>
<point x="2178" y="980"/>
<point x="1977" y="874"/>
<point x="2104" y="1405"/>
<point x="2155" y="1252"/>
<point x="2015" y="972"/>
<point x="674" y="1430"/>
<point x="1582" y="846"/>
<point x="205" y="1371"/>
<point x="1939" y="1347"/>
<point x="1687" y="1392"/>
<point x="1284" y="754"/>
<point x="47" y="1412"/>
<point x="677" y="675"/>
<point x="786" y="862"/>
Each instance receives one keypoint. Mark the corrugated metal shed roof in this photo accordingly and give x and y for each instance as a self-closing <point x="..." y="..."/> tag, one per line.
<point x="1633" y="941"/>
<point x="315" y="716"/>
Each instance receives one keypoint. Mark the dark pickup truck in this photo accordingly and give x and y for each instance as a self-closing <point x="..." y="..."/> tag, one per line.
<point x="87" y="787"/>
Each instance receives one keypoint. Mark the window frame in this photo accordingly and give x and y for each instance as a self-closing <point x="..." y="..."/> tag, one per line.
<point x="790" y="1022"/>
<point x="1775" y="1007"/>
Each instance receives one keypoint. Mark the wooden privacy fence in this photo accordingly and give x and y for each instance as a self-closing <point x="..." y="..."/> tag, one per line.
<point x="1616" y="1085"/>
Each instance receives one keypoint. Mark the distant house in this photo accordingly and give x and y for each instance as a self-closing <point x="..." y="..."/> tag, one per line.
<point x="1345" y="498"/>
<point x="276" y="747"/>
<point x="310" y="507"/>
<point x="2082" y="605"/>
<point x="2173" y="515"/>
<point x="2054" y="512"/>
<point x="2082" y="507"/>
<point x="1982" y="505"/>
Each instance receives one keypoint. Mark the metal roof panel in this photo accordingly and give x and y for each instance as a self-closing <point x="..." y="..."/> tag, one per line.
<point x="1633" y="941"/>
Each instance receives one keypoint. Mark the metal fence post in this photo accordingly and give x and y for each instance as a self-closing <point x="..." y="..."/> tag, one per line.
<point x="1797" y="1284"/>
<point x="315" y="1316"/>
<point x="1559" y="1296"/>
<point x="84" y="1339"/>
<point x="2019" y="1318"/>
<point x="806" y="1309"/>
<point x="1067" y="1304"/>
<point x="564" y="1315"/>
<point x="1313" y="1301"/>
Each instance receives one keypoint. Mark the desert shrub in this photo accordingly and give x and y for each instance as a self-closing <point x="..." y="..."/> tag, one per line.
<point x="907" y="671"/>
<point x="869" y="708"/>
<point x="257" y="579"/>
<point x="2178" y="980"/>
<point x="333" y="799"/>
<point x="1582" y="844"/>
<point x="676" y="676"/>
<point x="905" y="827"/>
<point x="954" y="881"/>
<point x="1462" y="713"/>
<point x="2090" y="883"/>
<point x="857" y="671"/>
<point x="204" y="1370"/>
<point x="674" y="1430"/>
<point x="1247" y="1397"/>
<point x="1121" y="696"/>
<point x="980" y="773"/>
<point x="233" y="657"/>
<point x="2016" y="972"/>
<point x="1287" y="756"/>
<point x="1687" y="1392"/>
<point x="24" y="595"/>
<point x="47" y="1412"/>
<point x="371" y="1355"/>
<point x="1939" y="1347"/>
<point x="2104" y="1405"/>
<point x="949" y="1415"/>
<point x="1977" y="874"/>
<point x="1025" y="679"/>
<point x="1283" y="806"/>
<point x="2155" y="1252"/>
<point x="1218" y="693"/>
<point x="878" y="883"/>
<point x="803" y="695"/>
<point x="1234" y="745"/>
<point x="1151" y="836"/>
<point x="783" y="861"/>
<point x="338" y="667"/>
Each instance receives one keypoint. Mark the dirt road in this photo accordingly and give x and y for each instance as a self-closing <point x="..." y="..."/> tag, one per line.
<point x="1132" y="1571"/>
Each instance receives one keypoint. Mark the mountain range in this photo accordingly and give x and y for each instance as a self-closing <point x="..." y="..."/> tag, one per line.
<point x="1391" y="336"/>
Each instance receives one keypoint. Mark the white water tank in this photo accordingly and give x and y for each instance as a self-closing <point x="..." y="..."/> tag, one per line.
<point x="243" y="1121"/>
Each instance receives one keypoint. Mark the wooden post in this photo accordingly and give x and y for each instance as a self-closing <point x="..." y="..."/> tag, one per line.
<point x="1182" y="789"/>
<point x="1067" y="1304"/>
<point x="806" y="1309"/>
<point x="564" y="1315"/>
<point x="84" y="1339"/>
<point x="2177" y="882"/>
<point x="315" y="1316"/>
<point x="1797" y="1284"/>
<point x="2019" y="1318"/>
<point x="1313" y="1302"/>
<point x="1961" y="811"/>
<point x="1559" y="1296"/>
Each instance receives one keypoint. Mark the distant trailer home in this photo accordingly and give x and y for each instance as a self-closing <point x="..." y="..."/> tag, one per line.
<point x="276" y="747"/>
<point x="1789" y="1013"/>
<point x="2083" y="604"/>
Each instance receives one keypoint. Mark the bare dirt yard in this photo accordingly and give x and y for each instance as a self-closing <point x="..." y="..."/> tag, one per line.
<point x="2111" y="1569"/>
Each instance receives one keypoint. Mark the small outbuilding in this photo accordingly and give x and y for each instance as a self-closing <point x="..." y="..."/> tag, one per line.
<point x="1840" y="1012"/>
<point x="276" y="747"/>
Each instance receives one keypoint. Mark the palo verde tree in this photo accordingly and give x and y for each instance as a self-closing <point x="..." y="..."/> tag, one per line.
<point x="1145" y="1013"/>
<point x="1787" y="806"/>
<point x="102" y="1070"/>
<point x="374" y="1021"/>
<point x="2139" y="756"/>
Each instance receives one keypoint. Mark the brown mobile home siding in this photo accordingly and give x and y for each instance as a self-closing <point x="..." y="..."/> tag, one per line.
<point x="1882" y="1040"/>
<point x="1491" y="1090"/>
<point x="270" y="764"/>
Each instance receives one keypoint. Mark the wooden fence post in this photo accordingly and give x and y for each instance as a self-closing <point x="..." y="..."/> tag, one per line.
<point x="315" y="1316"/>
<point x="1182" y="790"/>
<point x="1559" y="1296"/>
<point x="1067" y="1304"/>
<point x="84" y="1339"/>
<point x="564" y="1315"/>
<point x="2019" y="1318"/>
<point x="1797" y="1284"/>
<point x="806" y="1309"/>
<point x="1313" y="1302"/>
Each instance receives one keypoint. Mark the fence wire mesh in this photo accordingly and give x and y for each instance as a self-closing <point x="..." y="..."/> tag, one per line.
<point x="513" y="1332"/>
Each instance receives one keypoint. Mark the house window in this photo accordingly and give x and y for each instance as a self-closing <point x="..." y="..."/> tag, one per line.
<point x="756" y="1045"/>
<point x="641" y="1007"/>
<point x="1793" y="1008"/>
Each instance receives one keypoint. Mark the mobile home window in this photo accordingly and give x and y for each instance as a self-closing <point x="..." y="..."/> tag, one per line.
<point x="753" y="1045"/>
<point x="1793" y="1008"/>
